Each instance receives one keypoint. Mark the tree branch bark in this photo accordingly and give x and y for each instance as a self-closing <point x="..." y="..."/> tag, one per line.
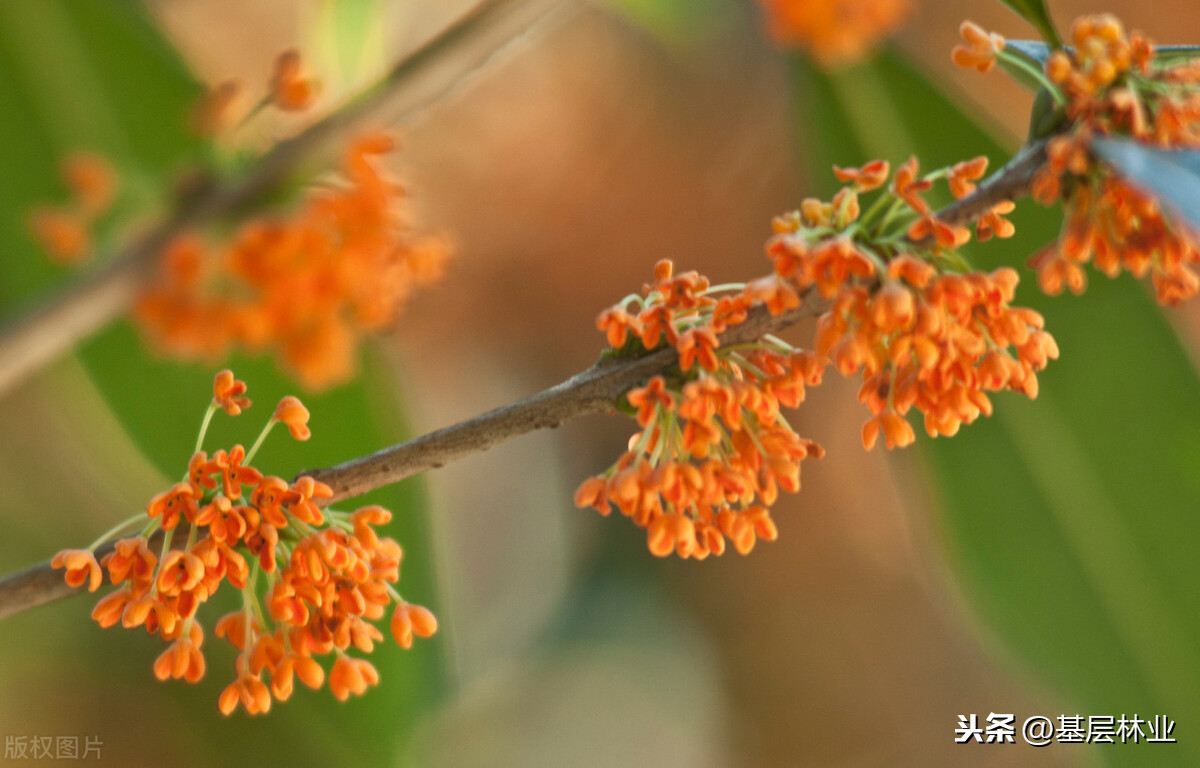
<point x="421" y="79"/>
<point x="592" y="391"/>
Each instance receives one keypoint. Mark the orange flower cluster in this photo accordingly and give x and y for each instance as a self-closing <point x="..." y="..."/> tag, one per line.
<point x="836" y="31"/>
<point x="936" y="343"/>
<point x="307" y="286"/>
<point x="1111" y="84"/>
<point x="64" y="232"/>
<point x="923" y="331"/>
<point x="327" y="574"/>
<point x="714" y="450"/>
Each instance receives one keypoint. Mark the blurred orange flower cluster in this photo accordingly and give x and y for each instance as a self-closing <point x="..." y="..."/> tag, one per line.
<point x="327" y="573"/>
<point x="1112" y="84"/>
<point x="65" y="232"/>
<point x="306" y="286"/>
<point x="836" y="31"/>
<point x="713" y="451"/>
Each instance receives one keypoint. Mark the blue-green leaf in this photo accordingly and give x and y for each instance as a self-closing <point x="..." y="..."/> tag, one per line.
<point x="1172" y="176"/>
<point x="1174" y="54"/>
<point x="1035" y="51"/>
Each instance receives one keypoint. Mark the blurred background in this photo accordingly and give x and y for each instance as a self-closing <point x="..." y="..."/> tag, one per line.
<point x="1040" y="563"/>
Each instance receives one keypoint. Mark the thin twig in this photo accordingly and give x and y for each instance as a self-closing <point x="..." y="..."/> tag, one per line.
<point x="595" y="390"/>
<point x="421" y="79"/>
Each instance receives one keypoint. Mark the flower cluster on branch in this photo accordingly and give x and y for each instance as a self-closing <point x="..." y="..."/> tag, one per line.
<point x="714" y="450"/>
<point x="64" y="232"/>
<point x="907" y="313"/>
<point x="312" y="579"/>
<point x="304" y="286"/>
<point x="1113" y="84"/>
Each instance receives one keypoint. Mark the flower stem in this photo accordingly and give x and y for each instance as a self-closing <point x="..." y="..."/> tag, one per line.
<point x="1020" y="63"/>
<point x="166" y="547"/>
<point x="212" y="408"/>
<point x="115" y="529"/>
<point x="261" y="436"/>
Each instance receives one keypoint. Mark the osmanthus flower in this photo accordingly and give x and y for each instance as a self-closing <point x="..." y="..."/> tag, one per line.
<point x="714" y="450"/>
<point x="937" y="344"/>
<point x="922" y="329"/>
<point x="81" y="566"/>
<point x="225" y="107"/>
<point x="1110" y="83"/>
<point x="228" y="393"/>
<point x="313" y="580"/>
<point x="980" y="50"/>
<point x="836" y="31"/>
<point x="64" y="232"/>
<point x="306" y="286"/>
<point x="291" y="89"/>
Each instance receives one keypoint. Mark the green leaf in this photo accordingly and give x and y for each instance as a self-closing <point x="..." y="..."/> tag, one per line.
<point x="1169" y="175"/>
<point x="1035" y="12"/>
<point x="676" y="22"/>
<point x="1068" y="521"/>
<point x="349" y="42"/>
<point x="1020" y="74"/>
<point x="1045" y="117"/>
<point x="97" y="74"/>
<point x="1035" y="51"/>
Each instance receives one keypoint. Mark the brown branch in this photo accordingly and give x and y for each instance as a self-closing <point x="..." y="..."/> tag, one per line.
<point x="592" y="391"/>
<point x="1007" y="183"/>
<point x="422" y="78"/>
<point x="36" y="585"/>
<point x="39" y="584"/>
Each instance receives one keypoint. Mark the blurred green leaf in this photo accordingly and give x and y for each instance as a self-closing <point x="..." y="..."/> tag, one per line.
<point x="1035" y="12"/>
<point x="675" y="22"/>
<point x="1170" y="175"/>
<point x="96" y="74"/>
<point x="1045" y="117"/>
<point x="350" y="41"/>
<point x="1068" y="520"/>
